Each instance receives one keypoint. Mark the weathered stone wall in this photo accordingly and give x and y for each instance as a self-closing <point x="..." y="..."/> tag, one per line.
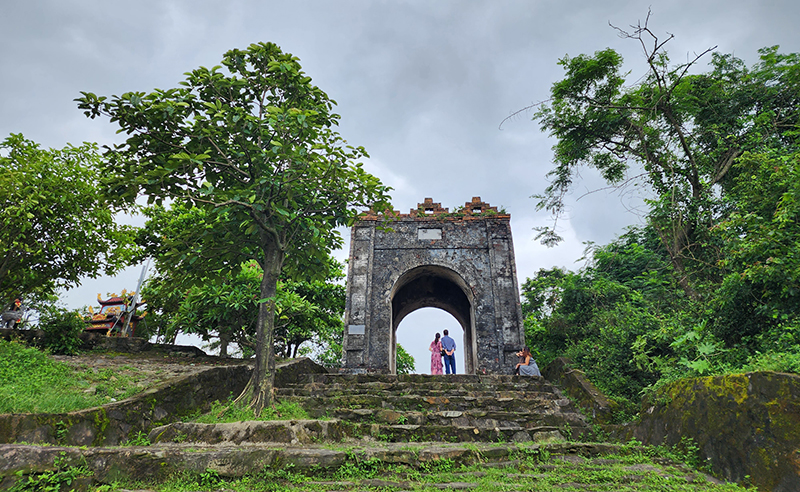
<point x="462" y="263"/>
<point x="116" y="422"/>
<point x="585" y="394"/>
<point x="744" y="424"/>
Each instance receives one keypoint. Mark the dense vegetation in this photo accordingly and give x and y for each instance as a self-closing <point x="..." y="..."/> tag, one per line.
<point x="711" y="282"/>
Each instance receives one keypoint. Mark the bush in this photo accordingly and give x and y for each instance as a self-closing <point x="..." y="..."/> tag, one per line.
<point x="62" y="329"/>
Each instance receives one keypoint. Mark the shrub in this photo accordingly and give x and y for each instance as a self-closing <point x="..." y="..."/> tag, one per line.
<point x="62" y="329"/>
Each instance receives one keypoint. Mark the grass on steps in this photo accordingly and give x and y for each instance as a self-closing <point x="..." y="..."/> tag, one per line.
<point x="228" y="411"/>
<point x="533" y="469"/>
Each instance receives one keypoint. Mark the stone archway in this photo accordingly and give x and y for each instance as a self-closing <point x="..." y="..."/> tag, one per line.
<point x="462" y="262"/>
<point x="439" y="287"/>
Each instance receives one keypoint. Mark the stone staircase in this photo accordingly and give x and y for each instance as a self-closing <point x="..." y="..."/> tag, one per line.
<point x="406" y="408"/>
<point x="455" y="408"/>
<point x="386" y="432"/>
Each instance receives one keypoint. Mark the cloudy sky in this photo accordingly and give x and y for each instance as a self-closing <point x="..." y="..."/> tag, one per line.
<point x="422" y="85"/>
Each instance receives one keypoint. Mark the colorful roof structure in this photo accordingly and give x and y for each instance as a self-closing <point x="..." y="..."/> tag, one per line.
<point x="113" y="315"/>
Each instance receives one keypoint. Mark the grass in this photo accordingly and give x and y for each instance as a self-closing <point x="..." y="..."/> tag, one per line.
<point x="32" y="382"/>
<point x="226" y="412"/>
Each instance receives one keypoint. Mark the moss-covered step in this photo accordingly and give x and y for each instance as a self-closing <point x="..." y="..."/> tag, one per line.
<point x="521" y="466"/>
<point x="319" y="405"/>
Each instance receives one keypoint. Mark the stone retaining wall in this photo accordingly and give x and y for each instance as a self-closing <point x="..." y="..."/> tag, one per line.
<point x="116" y="422"/>
<point x="745" y="425"/>
<point x="585" y="394"/>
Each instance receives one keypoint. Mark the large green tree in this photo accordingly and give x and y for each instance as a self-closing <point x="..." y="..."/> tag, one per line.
<point x="760" y="290"/>
<point x="56" y="225"/>
<point x="678" y="131"/>
<point x="252" y="144"/>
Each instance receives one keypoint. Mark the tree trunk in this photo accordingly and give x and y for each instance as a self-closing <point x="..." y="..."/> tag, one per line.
<point x="260" y="387"/>
<point x="223" y="346"/>
<point x="675" y="242"/>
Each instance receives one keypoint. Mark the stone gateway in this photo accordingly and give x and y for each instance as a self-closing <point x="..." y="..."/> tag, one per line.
<point x="461" y="262"/>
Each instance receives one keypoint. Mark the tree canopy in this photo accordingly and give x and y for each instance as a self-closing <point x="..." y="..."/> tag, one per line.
<point x="57" y="226"/>
<point x="711" y="283"/>
<point x="252" y="144"/>
<point x="678" y="131"/>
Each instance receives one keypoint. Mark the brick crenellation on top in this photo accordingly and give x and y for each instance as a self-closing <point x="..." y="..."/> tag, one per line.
<point x="428" y="209"/>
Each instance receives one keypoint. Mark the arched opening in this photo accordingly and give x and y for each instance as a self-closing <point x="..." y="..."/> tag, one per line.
<point x="416" y="332"/>
<point x="437" y="287"/>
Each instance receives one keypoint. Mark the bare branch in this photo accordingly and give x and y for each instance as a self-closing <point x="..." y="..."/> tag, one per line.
<point x="520" y="111"/>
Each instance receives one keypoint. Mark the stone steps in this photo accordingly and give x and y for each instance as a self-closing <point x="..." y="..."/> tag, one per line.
<point x="404" y="466"/>
<point x="449" y="382"/>
<point x="471" y="432"/>
<point x="318" y="431"/>
<point x="312" y="390"/>
<point x="418" y="392"/>
<point x="469" y="418"/>
<point x="421" y="407"/>
<point x="321" y="406"/>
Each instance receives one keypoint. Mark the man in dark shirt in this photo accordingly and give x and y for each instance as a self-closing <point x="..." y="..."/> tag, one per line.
<point x="449" y="346"/>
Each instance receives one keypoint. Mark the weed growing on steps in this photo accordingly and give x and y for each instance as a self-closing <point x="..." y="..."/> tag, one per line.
<point x="62" y="478"/>
<point x="230" y="412"/>
<point x="686" y="451"/>
<point x="140" y="439"/>
<point x="531" y="454"/>
<point x="356" y="467"/>
<point x="534" y="469"/>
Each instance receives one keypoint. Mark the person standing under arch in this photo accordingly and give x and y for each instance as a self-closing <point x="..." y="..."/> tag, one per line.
<point x="436" y="355"/>
<point x="449" y="346"/>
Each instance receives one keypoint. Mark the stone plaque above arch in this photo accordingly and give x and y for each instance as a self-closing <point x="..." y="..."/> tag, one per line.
<point x="461" y="262"/>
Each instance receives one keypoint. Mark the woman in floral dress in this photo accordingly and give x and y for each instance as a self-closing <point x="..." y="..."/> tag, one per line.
<point x="436" y="355"/>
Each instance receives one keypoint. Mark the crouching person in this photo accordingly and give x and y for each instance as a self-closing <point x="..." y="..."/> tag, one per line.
<point x="526" y="365"/>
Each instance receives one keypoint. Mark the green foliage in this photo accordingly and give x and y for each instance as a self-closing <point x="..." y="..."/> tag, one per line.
<point x="623" y="319"/>
<point x="62" y="478"/>
<point x="140" y="439"/>
<point x="210" y="479"/>
<point x="405" y="361"/>
<point x="308" y="313"/>
<point x="686" y="451"/>
<point x="55" y="224"/>
<point x="360" y="468"/>
<point x="684" y="130"/>
<point x="712" y="283"/>
<point x="761" y="286"/>
<point x="253" y="146"/>
<point x="62" y="329"/>
<point x="232" y="411"/>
